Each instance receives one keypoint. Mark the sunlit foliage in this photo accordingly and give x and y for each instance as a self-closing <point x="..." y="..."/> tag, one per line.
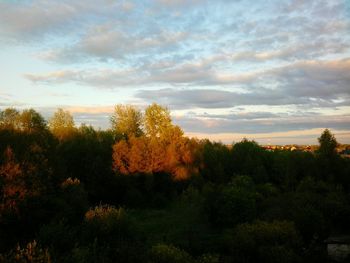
<point x="127" y="120"/>
<point x="32" y="253"/>
<point x="9" y="119"/>
<point x="157" y="121"/>
<point x="62" y="124"/>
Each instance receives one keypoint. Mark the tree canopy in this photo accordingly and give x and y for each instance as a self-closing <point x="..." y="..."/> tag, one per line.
<point x="157" y="120"/>
<point x="155" y="195"/>
<point x="61" y="124"/>
<point x="9" y="118"/>
<point x="127" y="120"/>
<point x="328" y="143"/>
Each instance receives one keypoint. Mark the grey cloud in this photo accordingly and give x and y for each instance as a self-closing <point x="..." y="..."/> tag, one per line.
<point x="315" y="83"/>
<point x="210" y="98"/>
<point x="179" y="3"/>
<point x="293" y="52"/>
<point x="99" y="78"/>
<point x="275" y="123"/>
<point x="127" y="32"/>
<point x="105" y="42"/>
<point x="317" y="79"/>
<point x="312" y="83"/>
<point x="33" y="19"/>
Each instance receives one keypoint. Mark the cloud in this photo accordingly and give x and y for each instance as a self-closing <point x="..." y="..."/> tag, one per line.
<point x="107" y="42"/>
<point x="313" y="83"/>
<point x="36" y="19"/>
<point x="316" y="79"/>
<point x="91" y="109"/>
<point x="96" y="77"/>
<point x="189" y="55"/>
<point x="293" y="52"/>
<point x="251" y="122"/>
<point x="179" y="2"/>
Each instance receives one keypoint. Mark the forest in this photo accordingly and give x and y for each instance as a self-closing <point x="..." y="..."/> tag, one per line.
<point x="142" y="191"/>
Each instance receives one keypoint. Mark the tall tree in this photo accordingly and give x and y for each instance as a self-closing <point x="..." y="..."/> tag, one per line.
<point x="157" y="120"/>
<point x="328" y="144"/>
<point x="328" y="159"/>
<point x="9" y="118"/>
<point x="30" y="120"/>
<point x="62" y="124"/>
<point x="127" y="120"/>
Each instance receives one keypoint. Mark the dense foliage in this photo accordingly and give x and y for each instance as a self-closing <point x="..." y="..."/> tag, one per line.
<point x="143" y="192"/>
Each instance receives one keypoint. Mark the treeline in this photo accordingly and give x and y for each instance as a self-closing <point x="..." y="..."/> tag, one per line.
<point x="143" y="192"/>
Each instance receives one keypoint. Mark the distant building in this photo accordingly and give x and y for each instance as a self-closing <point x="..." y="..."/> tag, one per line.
<point x="338" y="248"/>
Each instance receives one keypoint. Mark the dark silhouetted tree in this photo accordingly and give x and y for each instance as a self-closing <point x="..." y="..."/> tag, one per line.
<point x="328" y="144"/>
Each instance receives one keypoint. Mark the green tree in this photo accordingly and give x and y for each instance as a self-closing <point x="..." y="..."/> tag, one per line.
<point x="249" y="159"/>
<point x="127" y="120"/>
<point x="61" y="124"/>
<point x="157" y="120"/>
<point x="232" y="205"/>
<point x="216" y="161"/>
<point x="328" y="144"/>
<point x="328" y="159"/>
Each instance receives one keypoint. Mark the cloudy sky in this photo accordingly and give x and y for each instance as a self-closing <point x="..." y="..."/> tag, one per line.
<point x="277" y="71"/>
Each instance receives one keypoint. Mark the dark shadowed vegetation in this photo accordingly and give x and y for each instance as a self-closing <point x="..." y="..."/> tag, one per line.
<point x="143" y="192"/>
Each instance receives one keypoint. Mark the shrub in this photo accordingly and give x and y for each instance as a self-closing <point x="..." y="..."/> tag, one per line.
<point x="262" y="241"/>
<point x="32" y="253"/>
<point x="163" y="253"/>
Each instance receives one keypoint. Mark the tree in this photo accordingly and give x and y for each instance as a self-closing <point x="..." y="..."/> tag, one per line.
<point x="216" y="161"/>
<point x="249" y="159"/>
<point x="30" y="121"/>
<point x="9" y="118"/>
<point x="157" y="120"/>
<point x="127" y="120"/>
<point x="232" y="205"/>
<point x="328" y="144"/>
<point x="121" y="157"/>
<point x="327" y="158"/>
<point x="261" y="241"/>
<point x="13" y="188"/>
<point x="61" y="124"/>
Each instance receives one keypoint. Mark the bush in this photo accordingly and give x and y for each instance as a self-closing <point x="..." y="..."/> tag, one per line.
<point x="107" y="224"/>
<point x="109" y="236"/>
<point x="261" y="241"/>
<point x="32" y="253"/>
<point x="208" y="258"/>
<point x="162" y="253"/>
<point x="230" y="206"/>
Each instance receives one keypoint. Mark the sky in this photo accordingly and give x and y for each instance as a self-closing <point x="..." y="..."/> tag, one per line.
<point x="276" y="71"/>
